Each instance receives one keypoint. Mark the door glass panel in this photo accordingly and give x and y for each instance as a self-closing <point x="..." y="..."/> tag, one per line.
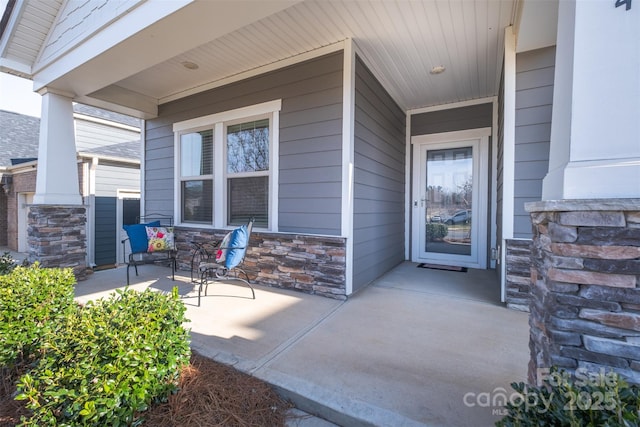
<point x="448" y="201"/>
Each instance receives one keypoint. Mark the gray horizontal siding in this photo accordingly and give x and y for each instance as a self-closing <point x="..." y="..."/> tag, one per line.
<point x="534" y="99"/>
<point x="379" y="180"/>
<point x="452" y="119"/>
<point x="90" y="135"/>
<point x="110" y="178"/>
<point x="310" y="146"/>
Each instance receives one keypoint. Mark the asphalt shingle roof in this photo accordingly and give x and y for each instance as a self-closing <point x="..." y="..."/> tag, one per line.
<point x="106" y="115"/>
<point x="18" y="137"/>
<point x="125" y="150"/>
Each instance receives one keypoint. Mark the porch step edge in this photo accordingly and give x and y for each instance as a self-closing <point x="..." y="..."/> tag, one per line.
<point x="331" y="406"/>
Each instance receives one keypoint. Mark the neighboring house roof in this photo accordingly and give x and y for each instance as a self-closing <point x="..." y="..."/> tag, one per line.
<point x="18" y="138"/>
<point x="123" y="150"/>
<point x="106" y="115"/>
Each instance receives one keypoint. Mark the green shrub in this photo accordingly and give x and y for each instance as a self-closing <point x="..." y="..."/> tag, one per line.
<point x="110" y="362"/>
<point x="436" y="231"/>
<point x="33" y="305"/>
<point x="7" y="263"/>
<point x="584" y="400"/>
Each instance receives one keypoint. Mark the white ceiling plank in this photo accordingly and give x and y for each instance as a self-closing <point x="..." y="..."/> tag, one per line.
<point x="400" y="41"/>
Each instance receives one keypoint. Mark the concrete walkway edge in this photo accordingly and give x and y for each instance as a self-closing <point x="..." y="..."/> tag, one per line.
<point x="326" y="404"/>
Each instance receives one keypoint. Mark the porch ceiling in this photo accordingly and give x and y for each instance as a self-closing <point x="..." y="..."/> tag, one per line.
<point x="400" y="41"/>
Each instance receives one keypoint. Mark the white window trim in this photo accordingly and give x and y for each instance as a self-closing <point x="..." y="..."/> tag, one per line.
<point x="225" y="116"/>
<point x="216" y="122"/>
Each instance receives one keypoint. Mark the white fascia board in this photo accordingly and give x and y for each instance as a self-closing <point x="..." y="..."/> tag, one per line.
<point x="117" y="108"/>
<point x="118" y="95"/>
<point x="104" y="38"/>
<point x="137" y="35"/>
<point x="20" y="69"/>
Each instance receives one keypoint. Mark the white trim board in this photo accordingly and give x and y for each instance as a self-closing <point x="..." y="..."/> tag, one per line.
<point x="348" y="150"/>
<point x="225" y="116"/>
<point x="451" y="136"/>
<point x="460" y="104"/>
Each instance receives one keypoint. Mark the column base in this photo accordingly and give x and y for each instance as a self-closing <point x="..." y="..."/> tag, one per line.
<point x="585" y="290"/>
<point x="57" y="237"/>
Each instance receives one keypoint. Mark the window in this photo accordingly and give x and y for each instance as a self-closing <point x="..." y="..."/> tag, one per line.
<point x="196" y="176"/>
<point x="248" y="172"/>
<point x="225" y="167"/>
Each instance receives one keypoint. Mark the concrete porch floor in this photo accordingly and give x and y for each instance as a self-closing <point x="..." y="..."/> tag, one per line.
<point x="416" y="347"/>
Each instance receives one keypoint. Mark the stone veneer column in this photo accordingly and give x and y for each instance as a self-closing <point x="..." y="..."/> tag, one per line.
<point x="57" y="237"/>
<point x="585" y="302"/>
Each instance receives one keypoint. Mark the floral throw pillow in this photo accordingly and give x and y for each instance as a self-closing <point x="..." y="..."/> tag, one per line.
<point x="160" y="239"/>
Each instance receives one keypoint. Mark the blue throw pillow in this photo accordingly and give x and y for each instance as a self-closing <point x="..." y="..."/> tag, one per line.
<point x="237" y="247"/>
<point x="138" y="235"/>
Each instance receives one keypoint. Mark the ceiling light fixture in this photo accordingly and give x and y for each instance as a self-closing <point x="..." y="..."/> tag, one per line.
<point x="438" y="69"/>
<point x="190" y="65"/>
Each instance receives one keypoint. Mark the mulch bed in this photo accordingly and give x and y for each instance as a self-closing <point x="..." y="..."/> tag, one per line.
<point x="211" y="394"/>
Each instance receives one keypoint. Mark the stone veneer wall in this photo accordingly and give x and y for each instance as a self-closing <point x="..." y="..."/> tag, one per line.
<point x="518" y="268"/>
<point x="57" y="237"/>
<point x="585" y="307"/>
<point x="313" y="264"/>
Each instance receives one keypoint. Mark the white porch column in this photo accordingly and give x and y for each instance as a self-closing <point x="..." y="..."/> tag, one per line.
<point x="57" y="176"/>
<point x="595" y="132"/>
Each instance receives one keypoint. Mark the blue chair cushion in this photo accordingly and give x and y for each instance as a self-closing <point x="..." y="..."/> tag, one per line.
<point x="137" y="234"/>
<point x="237" y="247"/>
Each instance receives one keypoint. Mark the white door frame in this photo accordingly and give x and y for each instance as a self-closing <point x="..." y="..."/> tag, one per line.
<point x="481" y="192"/>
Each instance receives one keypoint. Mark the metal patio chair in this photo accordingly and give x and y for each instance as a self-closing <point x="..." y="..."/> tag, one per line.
<point x="145" y="247"/>
<point x="224" y="264"/>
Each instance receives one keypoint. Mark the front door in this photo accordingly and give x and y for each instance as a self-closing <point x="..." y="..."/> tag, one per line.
<point x="450" y="199"/>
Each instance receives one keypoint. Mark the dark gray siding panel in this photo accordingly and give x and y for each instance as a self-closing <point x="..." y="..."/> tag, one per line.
<point x="452" y="119"/>
<point x="534" y="99"/>
<point x="310" y="141"/>
<point x="379" y="180"/>
<point x="105" y="230"/>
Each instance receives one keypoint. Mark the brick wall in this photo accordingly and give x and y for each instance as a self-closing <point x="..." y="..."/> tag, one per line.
<point x="3" y="215"/>
<point x="313" y="264"/>
<point x="585" y="307"/>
